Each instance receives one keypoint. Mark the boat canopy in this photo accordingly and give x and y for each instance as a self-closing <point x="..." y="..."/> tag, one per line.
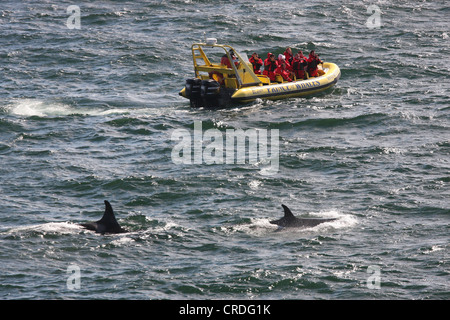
<point x="240" y="74"/>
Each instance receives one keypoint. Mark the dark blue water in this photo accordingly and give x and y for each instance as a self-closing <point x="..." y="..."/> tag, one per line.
<point x="88" y="114"/>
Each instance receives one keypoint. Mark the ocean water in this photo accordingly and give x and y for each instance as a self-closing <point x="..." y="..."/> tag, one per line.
<point x="88" y="114"/>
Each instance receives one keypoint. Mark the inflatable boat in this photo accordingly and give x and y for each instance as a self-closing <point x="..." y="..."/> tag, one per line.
<point x="216" y="85"/>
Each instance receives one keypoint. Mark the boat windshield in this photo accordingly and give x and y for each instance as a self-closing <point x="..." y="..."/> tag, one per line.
<point x="223" y="60"/>
<point x="245" y="58"/>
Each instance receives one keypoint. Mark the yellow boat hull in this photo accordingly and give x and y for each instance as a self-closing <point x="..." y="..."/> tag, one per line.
<point x="290" y="89"/>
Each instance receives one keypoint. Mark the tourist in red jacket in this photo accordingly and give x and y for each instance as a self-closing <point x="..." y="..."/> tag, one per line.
<point x="283" y="71"/>
<point x="299" y="65"/>
<point x="313" y="62"/>
<point x="270" y="64"/>
<point x="257" y="62"/>
<point x="289" y="57"/>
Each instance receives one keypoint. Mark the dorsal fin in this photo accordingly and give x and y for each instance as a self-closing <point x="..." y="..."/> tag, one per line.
<point x="107" y="224"/>
<point x="108" y="217"/>
<point x="287" y="212"/>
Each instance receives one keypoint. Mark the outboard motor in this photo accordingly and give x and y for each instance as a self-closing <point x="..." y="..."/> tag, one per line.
<point x="193" y="90"/>
<point x="210" y="93"/>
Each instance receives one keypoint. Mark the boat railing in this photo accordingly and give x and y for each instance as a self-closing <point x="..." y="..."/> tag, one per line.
<point x="238" y="76"/>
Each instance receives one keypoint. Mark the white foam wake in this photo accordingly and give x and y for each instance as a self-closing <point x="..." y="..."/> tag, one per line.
<point x="342" y="221"/>
<point x="39" y="108"/>
<point x="46" y="228"/>
<point x="31" y="107"/>
<point x="261" y="226"/>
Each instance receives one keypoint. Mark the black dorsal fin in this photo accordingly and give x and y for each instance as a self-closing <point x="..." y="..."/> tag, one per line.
<point x="107" y="224"/>
<point x="108" y="217"/>
<point x="287" y="212"/>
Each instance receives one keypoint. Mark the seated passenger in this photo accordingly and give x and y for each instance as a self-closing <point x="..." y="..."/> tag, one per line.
<point x="282" y="57"/>
<point x="257" y="62"/>
<point x="270" y="64"/>
<point x="289" y="57"/>
<point x="312" y="55"/>
<point x="226" y="62"/>
<point x="283" y="71"/>
<point x="300" y="53"/>
<point x="299" y="66"/>
<point x="313" y="62"/>
<point x="288" y="68"/>
<point x="219" y="77"/>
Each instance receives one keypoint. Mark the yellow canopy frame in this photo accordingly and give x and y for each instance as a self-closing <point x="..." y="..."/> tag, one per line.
<point x="243" y="73"/>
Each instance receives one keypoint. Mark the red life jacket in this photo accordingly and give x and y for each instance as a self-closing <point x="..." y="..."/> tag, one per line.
<point x="283" y="72"/>
<point x="225" y="61"/>
<point x="257" y="63"/>
<point x="313" y="62"/>
<point x="299" y="66"/>
<point x="288" y="65"/>
<point x="289" y="59"/>
<point x="269" y="67"/>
